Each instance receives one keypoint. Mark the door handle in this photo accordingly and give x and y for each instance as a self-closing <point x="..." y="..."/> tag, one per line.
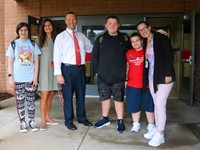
<point x="189" y="60"/>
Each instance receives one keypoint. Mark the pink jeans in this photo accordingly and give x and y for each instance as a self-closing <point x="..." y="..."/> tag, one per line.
<point x="160" y="100"/>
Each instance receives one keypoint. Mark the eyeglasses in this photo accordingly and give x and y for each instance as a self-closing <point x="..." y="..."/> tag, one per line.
<point x="143" y="29"/>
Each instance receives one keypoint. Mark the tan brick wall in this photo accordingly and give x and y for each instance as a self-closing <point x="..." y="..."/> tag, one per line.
<point x="17" y="11"/>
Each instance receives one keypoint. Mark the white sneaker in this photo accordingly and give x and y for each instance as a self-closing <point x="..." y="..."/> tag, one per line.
<point x="23" y="127"/>
<point x="149" y="135"/>
<point x="136" y="127"/>
<point x="150" y="127"/>
<point x="33" y="126"/>
<point x="157" y="140"/>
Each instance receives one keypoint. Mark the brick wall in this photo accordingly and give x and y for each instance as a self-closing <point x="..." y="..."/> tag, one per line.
<point x="2" y="51"/>
<point x="188" y="4"/>
<point x="197" y="53"/>
<point x="83" y="7"/>
<point x="17" y="11"/>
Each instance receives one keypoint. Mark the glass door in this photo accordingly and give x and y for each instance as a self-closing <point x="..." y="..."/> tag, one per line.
<point x="34" y="26"/>
<point x="180" y="31"/>
<point x="187" y="66"/>
<point x="92" y="32"/>
<point x="92" y="27"/>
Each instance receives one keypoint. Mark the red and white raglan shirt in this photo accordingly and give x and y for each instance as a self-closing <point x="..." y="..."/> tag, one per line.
<point x="135" y="60"/>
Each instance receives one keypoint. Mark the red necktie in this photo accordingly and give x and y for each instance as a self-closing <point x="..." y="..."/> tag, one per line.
<point x="77" y="50"/>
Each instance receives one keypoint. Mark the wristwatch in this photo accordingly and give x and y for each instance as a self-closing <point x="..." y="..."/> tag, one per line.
<point x="9" y="75"/>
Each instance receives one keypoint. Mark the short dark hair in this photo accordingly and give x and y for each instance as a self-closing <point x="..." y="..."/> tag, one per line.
<point x="112" y="17"/>
<point x="136" y="34"/>
<point x="71" y="12"/>
<point x="19" y="26"/>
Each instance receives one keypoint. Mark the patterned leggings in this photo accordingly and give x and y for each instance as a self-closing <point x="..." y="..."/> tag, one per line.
<point x="25" y="90"/>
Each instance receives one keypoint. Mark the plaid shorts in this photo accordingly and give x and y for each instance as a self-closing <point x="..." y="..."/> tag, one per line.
<point x="117" y="90"/>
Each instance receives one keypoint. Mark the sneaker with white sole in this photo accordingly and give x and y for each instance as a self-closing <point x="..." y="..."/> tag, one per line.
<point x="136" y="127"/>
<point x="33" y="126"/>
<point x="157" y="140"/>
<point x="102" y="122"/>
<point x="150" y="127"/>
<point x="120" y="126"/>
<point x="23" y="127"/>
<point x="149" y="135"/>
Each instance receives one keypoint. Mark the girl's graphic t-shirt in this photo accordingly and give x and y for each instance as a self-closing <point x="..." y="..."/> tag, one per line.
<point x="23" y="54"/>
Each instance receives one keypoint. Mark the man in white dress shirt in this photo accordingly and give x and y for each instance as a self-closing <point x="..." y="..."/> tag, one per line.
<point x="70" y="75"/>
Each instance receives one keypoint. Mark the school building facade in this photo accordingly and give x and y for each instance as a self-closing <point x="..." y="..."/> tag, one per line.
<point x="14" y="11"/>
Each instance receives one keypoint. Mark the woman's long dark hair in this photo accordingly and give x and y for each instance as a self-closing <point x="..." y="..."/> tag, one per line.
<point x="19" y="26"/>
<point x="42" y="33"/>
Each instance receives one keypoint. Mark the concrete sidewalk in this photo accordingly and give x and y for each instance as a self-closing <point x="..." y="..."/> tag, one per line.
<point x="179" y="136"/>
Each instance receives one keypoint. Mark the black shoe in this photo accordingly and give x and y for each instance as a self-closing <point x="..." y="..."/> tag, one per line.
<point x="85" y="123"/>
<point x="71" y="126"/>
<point x="120" y="126"/>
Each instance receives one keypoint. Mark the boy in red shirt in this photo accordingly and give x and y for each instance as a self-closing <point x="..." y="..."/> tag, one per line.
<point x="137" y="92"/>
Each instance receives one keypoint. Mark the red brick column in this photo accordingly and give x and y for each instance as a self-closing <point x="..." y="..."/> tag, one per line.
<point x="2" y="50"/>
